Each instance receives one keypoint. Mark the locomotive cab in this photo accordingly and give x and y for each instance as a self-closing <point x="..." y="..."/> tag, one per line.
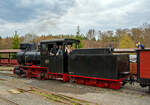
<point x="54" y="54"/>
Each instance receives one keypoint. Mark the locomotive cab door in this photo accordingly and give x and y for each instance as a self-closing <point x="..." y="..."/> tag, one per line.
<point x="56" y="58"/>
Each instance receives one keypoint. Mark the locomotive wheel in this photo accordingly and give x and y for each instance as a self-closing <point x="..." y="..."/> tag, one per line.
<point x="42" y="76"/>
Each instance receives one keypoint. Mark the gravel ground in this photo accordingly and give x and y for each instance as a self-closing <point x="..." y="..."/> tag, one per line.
<point x="31" y="94"/>
<point x="128" y="95"/>
<point x="24" y="98"/>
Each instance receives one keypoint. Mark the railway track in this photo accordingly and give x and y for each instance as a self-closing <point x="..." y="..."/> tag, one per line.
<point x="8" y="101"/>
<point x="7" y="74"/>
<point x="62" y="98"/>
<point x="48" y="95"/>
<point x="131" y="89"/>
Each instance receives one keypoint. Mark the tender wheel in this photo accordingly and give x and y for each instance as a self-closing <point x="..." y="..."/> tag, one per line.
<point x="123" y="84"/>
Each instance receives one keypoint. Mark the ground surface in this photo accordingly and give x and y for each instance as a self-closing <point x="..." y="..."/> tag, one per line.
<point x="22" y="91"/>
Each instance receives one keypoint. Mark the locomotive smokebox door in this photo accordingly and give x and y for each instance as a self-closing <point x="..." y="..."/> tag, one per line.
<point x="143" y="67"/>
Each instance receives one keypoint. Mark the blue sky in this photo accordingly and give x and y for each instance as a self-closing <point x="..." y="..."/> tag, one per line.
<point x="63" y="16"/>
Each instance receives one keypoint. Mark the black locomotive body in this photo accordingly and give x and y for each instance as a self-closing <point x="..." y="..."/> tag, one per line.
<point x="97" y="67"/>
<point x="28" y="55"/>
<point x="107" y="66"/>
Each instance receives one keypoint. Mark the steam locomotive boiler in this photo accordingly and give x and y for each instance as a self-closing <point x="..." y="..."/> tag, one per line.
<point x="97" y="67"/>
<point x="28" y="55"/>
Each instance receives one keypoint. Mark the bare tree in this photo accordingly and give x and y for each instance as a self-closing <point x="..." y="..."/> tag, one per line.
<point x="91" y="34"/>
<point x="29" y="37"/>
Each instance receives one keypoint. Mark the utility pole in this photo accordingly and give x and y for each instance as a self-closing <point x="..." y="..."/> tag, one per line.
<point x="78" y="30"/>
<point x="15" y="32"/>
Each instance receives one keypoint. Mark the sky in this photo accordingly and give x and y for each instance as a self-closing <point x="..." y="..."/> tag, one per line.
<point x="63" y="16"/>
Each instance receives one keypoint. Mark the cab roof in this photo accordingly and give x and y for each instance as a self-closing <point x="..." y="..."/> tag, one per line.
<point x="65" y="41"/>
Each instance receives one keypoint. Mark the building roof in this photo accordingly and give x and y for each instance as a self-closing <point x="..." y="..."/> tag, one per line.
<point x="124" y="50"/>
<point x="10" y="50"/>
<point x="127" y="50"/>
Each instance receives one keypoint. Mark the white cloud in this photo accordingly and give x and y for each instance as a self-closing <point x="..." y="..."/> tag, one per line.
<point x="97" y="14"/>
<point x="105" y="15"/>
<point x="27" y="3"/>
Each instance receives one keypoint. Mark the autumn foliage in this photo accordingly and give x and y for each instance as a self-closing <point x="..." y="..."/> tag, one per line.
<point x="120" y="38"/>
<point x="126" y="42"/>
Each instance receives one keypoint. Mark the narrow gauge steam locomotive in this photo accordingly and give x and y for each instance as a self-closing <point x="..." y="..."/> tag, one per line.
<point x="97" y="67"/>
